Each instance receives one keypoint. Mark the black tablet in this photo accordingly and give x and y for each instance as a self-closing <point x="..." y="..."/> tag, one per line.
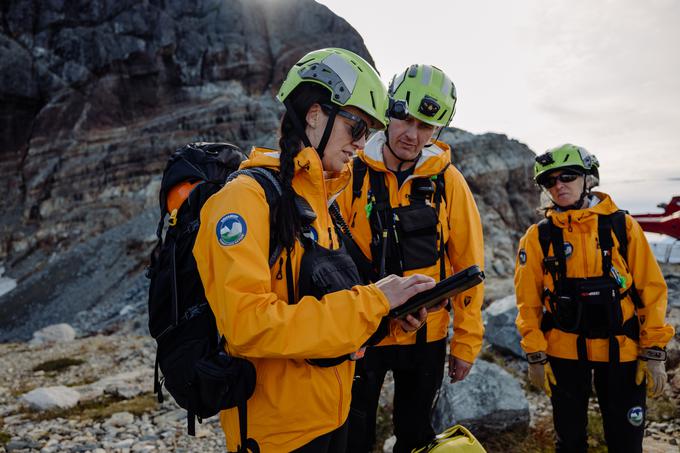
<point x="455" y="284"/>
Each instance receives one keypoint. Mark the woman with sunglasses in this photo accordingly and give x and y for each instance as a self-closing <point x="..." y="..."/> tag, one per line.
<point x="592" y="304"/>
<point x="410" y="211"/>
<point x="298" y="318"/>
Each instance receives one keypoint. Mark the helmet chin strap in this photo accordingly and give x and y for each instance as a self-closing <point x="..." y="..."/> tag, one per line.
<point x="301" y="130"/>
<point x="401" y="161"/>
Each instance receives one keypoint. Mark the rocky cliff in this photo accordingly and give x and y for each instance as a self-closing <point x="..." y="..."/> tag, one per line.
<point x="95" y="95"/>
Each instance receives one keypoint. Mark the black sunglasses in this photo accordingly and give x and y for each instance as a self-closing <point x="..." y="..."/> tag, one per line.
<point x="550" y="181"/>
<point x="359" y="127"/>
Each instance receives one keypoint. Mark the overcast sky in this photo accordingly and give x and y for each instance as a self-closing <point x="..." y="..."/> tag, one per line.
<point x="601" y="74"/>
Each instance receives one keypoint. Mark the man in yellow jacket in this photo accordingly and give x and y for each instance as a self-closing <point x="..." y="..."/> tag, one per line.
<point x="410" y="210"/>
<point x="592" y="300"/>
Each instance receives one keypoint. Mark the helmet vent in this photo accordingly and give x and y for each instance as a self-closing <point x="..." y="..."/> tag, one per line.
<point x="373" y="100"/>
<point x="442" y="115"/>
<point x="566" y="158"/>
<point x="408" y="97"/>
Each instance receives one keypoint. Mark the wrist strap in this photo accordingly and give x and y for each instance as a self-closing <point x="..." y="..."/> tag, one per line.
<point x="653" y="354"/>
<point x="537" y="357"/>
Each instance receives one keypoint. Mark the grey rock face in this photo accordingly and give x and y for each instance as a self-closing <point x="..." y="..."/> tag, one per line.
<point x="499" y="325"/>
<point x="488" y="400"/>
<point x="673" y="282"/>
<point x="94" y="96"/>
<point x="46" y="398"/>
<point x="499" y="173"/>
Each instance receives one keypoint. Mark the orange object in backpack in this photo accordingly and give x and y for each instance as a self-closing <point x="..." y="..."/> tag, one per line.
<point x="176" y="197"/>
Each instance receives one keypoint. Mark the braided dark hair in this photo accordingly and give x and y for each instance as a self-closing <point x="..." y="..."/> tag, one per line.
<point x="291" y="143"/>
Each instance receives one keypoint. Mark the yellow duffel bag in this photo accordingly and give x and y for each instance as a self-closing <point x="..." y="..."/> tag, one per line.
<point x="456" y="439"/>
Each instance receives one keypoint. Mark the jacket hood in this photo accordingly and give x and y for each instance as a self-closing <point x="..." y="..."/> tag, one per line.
<point x="307" y="165"/>
<point x="433" y="160"/>
<point x="606" y="206"/>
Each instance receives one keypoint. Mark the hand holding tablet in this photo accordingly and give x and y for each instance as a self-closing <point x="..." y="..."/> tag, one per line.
<point x="445" y="289"/>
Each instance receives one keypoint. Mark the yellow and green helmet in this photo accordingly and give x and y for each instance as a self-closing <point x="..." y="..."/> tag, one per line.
<point x="426" y="92"/>
<point x="350" y="79"/>
<point x="567" y="156"/>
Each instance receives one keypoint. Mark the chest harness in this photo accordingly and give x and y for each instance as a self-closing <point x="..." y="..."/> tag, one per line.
<point x="589" y="307"/>
<point x="322" y="270"/>
<point x="402" y="238"/>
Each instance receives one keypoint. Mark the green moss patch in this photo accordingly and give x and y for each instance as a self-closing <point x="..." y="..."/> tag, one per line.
<point x="539" y="439"/>
<point x="101" y="408"/>
<point x="58" y="365"/>
<point x="4" y="438"/>
<point x="662" y="409"/>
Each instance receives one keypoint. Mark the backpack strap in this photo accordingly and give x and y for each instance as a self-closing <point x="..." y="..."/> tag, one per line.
<point x="551" y="264"/>
<point x="359" y="169"/>
<point x="246" y="443"/>
<point x="604" y="237"/>
<point x="544" y="235"/>
<point x="439" y="195"/>
<point x="343" y="231"/>
<point x="618" y="221"/>
<point x="380" y="219"/>
<point x="269" y="181"/>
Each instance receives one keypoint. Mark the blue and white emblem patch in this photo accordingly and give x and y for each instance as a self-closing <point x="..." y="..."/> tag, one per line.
<point x="568" y="249"/>
<point x="312" y="234"/>
<point x="231" y="229"/>
<point x="636" y="415"/>
<point x="522" y="255"/>
<point x="315" y="235"/>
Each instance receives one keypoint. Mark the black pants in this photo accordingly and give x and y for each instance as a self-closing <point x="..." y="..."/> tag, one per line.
<point x="333" y="442"/>
<point x="622" y="404"/>
<point x="418" y="372"/>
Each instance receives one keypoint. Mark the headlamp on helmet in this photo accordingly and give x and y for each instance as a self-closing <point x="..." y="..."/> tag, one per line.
<point x="398" y="109"/>
<point x="428" y="106"/>
<point x="545" y="159"/>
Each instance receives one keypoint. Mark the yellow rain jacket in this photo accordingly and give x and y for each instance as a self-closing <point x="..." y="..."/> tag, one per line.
<point x="462" y="236"/>
<point x="294" y="402"/>
<point x="579" y="228"/>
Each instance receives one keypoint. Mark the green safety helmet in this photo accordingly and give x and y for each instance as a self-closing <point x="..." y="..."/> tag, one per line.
<point x="350" y="79"/>
<point x="567" y="156"/>
<point x="424" y="92"/>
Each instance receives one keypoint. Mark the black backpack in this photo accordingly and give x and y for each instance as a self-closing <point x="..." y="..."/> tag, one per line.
<point x="198" y="373"/>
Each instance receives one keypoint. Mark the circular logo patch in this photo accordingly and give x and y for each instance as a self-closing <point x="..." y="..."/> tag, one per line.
<point x="231" y="229"/>
<point x="315" y="235"/>
<point x="568" y="249"/>
<point x="311" y="234"/>
<point x="522" y="257"/>
<point x="636" y="415"/>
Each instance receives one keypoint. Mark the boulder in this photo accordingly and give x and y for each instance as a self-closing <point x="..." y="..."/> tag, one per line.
<point x="47" y="398"/>
<point x="55" y="333"/>
<point x="125" y="385"/>
<point x="121" y="419"/>
<point x="499" y="325"/>
<point x="488" y="401"/>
